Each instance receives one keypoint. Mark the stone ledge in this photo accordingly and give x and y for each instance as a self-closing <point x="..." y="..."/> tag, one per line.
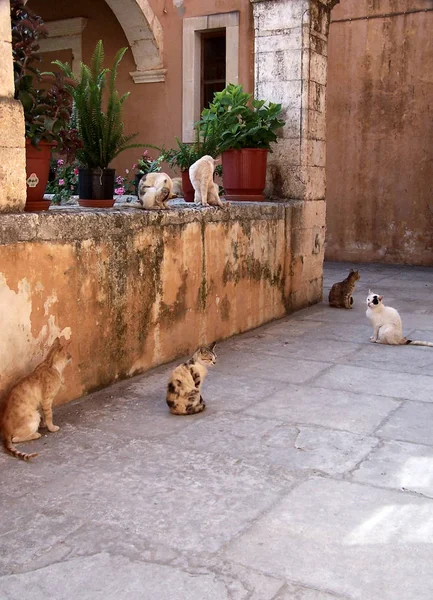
<point x="69" y="223"/>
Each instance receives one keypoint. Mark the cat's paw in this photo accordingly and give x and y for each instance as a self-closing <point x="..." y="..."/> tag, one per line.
<point x="53" y="428"/>
<point x="373" y="339"/>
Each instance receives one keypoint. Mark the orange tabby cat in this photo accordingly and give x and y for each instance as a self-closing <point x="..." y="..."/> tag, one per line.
<point x="31" y="396"/>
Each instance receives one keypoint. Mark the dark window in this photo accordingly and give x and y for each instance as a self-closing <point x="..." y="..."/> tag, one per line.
<point x="213" y="65"/>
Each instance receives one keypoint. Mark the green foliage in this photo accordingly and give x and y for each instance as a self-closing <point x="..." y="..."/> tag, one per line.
<point x="101" y="131"/>
<point x="145" y="164"/>
<point x="235" y="120"/>
<point x="65" y="183"/>
<point x="47" y="112"/>
<point x="186" y="154"/>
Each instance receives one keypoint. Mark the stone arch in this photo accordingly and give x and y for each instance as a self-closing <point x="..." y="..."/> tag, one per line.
<point x="144" y="33"/>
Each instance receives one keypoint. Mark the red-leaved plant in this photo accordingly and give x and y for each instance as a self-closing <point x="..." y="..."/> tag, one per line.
<point x="47" y="110"/>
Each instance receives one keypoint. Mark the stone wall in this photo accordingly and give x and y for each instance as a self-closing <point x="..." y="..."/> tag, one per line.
<point x="12" y="142"/>
<point x="137" y="289"/>
<point x="380" y="132"/>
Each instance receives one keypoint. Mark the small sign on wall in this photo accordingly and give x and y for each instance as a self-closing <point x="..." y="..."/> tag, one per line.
<point x="33" y="180"/>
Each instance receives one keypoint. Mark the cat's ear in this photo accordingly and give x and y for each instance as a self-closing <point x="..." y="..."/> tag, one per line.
<point x="351" y="271"/>
<point x="218" y="160"/>
<point x="369" y="291"/>
<point x="380" y="298"/>
<point x="212" y="346"/>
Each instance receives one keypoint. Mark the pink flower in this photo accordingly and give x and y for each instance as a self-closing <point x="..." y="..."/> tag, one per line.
<point x="119" y="191"/>
<point x="127" y="171"/>
<point x="145" y="154"/>
<point x="134" y="166"/>
<point x="76" y="171"/>
<point x="60" y="162"/>
<point x="119" y="180"/>
<point x="61" y="182"/>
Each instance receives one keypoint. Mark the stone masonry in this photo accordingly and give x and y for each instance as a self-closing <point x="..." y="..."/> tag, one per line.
<point x="12" y="141"/>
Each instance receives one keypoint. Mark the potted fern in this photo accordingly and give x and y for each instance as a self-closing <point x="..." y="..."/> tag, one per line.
<point x="244" y="129"/>
<point x="100" y="130"/>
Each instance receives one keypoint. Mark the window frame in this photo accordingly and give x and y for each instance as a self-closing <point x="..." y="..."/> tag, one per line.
<point x="193" y="28"/>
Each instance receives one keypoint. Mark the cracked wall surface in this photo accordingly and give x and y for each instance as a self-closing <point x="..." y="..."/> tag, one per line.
<point x="137" y="290"/>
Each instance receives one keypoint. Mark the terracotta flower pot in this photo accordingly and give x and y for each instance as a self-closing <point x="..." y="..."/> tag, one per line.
<point x="188" y="190"/>
<point x="37" y="172"/>
<point x="244" y="174"/>
<point x="96" y="188"/>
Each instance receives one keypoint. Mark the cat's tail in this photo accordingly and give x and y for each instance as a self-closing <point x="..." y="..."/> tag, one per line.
<point x="417" y="343"/>
<point x="10" y="449"/>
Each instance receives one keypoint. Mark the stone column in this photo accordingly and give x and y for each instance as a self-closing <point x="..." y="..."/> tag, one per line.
<point x="12" y="140"/>
<point x="291" y="69"/>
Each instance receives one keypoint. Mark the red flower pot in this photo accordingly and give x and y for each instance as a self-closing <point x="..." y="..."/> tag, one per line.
<point x="244" y="174"/>
<point x="188" y="190"/>
<point x="37" y="172"/>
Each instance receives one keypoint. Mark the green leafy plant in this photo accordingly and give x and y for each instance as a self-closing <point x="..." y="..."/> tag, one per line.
<point x="235" y="120"/>
<point x="187" y="154"/>
<point x="101" y="130"/>
<point x="65" y="182"/>
<point x="146" y="164"/>
<point x="47" y="111"/>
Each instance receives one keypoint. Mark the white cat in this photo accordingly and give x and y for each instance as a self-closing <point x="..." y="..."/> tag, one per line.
<point x="201" y="176"/>
<point x="387" y="325"/>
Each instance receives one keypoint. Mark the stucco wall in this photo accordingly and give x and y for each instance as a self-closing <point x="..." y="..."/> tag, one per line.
<point x="135" y="290"/>
<point x="380" y="132"/>
<point x="154" y="110"/>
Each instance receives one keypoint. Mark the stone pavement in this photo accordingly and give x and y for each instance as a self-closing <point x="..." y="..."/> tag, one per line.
<point x="308" y="477"/>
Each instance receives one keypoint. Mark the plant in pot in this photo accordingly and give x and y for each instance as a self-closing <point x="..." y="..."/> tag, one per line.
<point x="100" y="130"/>
<point x="47" y="110"/>
<point x="244" y="129"/>
<point x="187" y="154"/>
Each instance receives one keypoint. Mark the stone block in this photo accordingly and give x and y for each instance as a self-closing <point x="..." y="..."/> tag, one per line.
<point x="6" y="70"/>
<point x="314" y="125"/>
<point x="316" y="97"/>
<point x="281" y="65"/>
<point x="12" y="179"/>
<point x="272" y="16"/>
<point x="304" y="183"/>
<point x="287" y="93"/>
<point x="5" y="22"/>
<point x="289" y="40"/>
<point x="315" y="153"/>
<point x="11" y="123"/>
<point x="318" y="68"/>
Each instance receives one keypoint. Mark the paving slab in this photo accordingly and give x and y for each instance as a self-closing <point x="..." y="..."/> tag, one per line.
<point x="307" y="477"/>
<point x="357" y="413"/>
<point x="271" y="442"/>
<point x="399" y="465"/>
<point x="378" y="382"/>
<point x="411" y="422"/>
<point x="347" y="539"/>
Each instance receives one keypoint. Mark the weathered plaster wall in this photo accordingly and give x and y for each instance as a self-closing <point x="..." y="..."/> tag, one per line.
<point x="137" y="290"/>
<point x="380" y="132"/>
<point x="154" y="110"/>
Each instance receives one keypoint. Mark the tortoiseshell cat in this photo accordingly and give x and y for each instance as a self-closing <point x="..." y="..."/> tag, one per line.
<point x="32" y="398"/>
<point x="340" y="295"/>
<point x="183" y="390"/>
